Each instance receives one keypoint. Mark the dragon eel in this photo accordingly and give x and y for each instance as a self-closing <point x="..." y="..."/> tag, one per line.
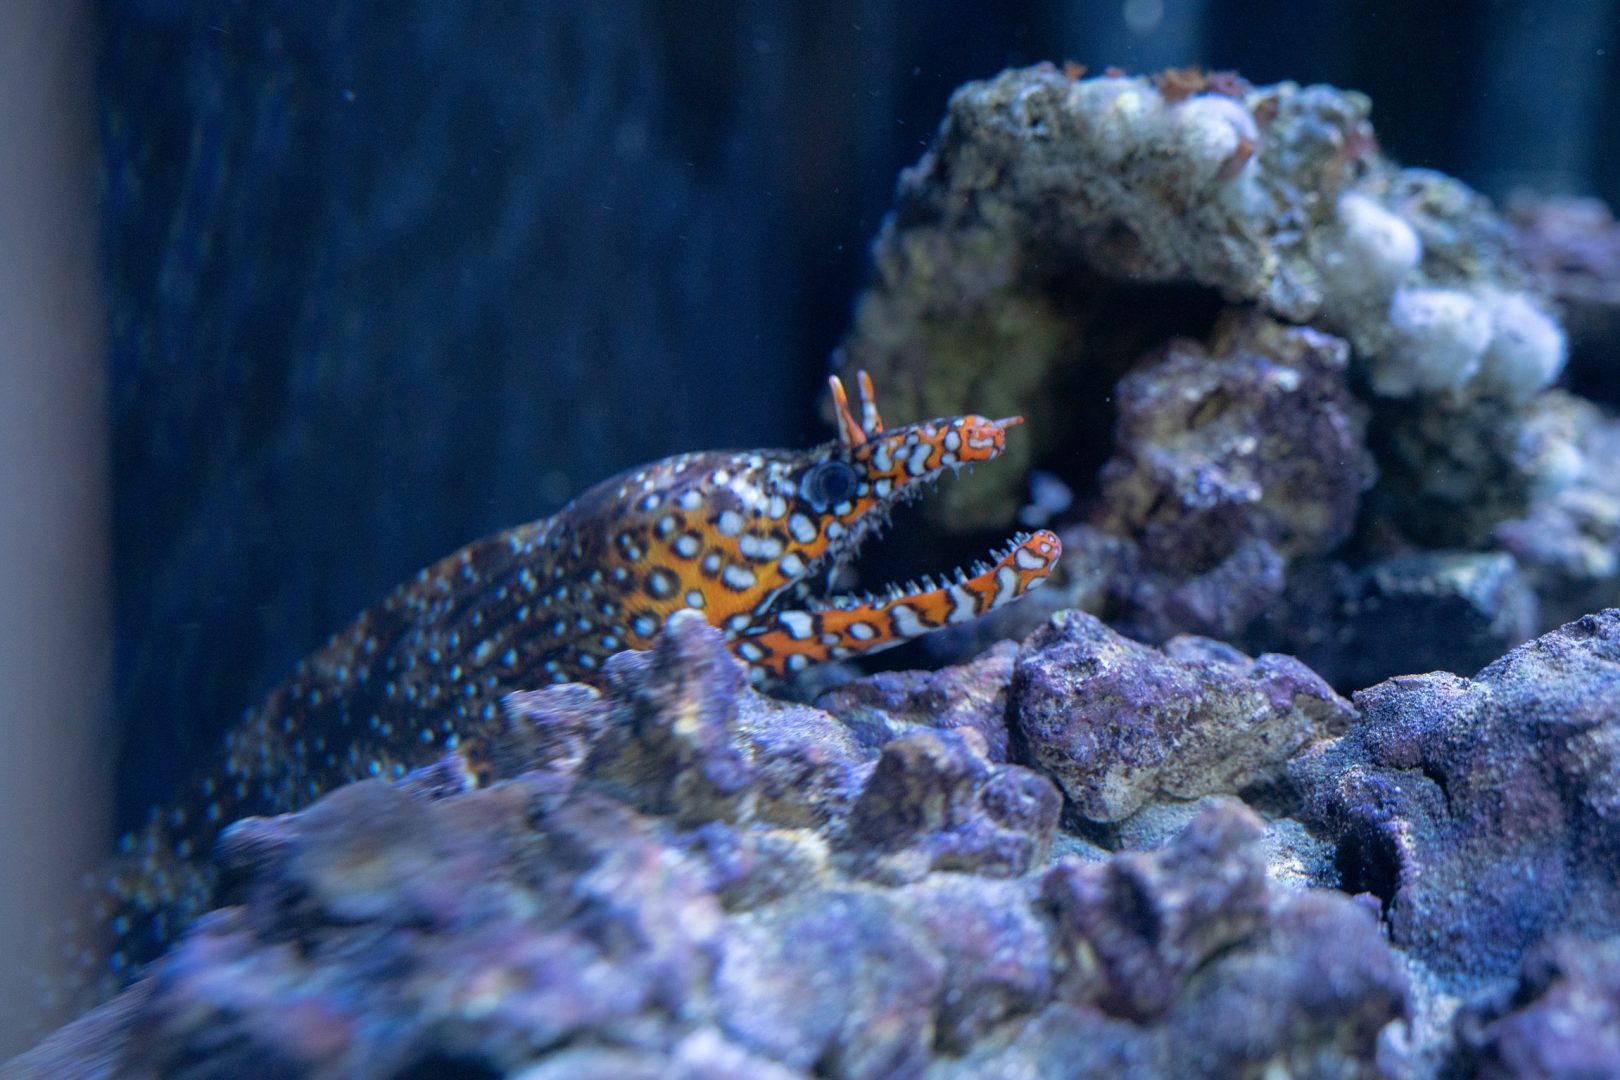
<point x="741" y="537"/>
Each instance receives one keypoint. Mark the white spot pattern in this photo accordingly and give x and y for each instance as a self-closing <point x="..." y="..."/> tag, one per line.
<point x="906" y="622"/>
<point x="799" y="624"/>
<point x="662" y="584"/>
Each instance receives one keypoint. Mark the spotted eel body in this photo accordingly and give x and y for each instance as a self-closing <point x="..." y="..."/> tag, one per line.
<point x="740" y="537"/>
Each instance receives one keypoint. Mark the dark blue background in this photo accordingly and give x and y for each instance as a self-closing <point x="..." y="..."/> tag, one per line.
<point x="384" y="277"/>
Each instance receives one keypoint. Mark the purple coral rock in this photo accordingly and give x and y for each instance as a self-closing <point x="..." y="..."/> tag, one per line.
<point x="843" y="981"/>
<point x="551" y="729"/>
<point x="1229" y="462"/>
<point x="390" y="930"/>
<point x="1222" y="600"/>
<point x="678" y="702"/>
<point x="1318" y="993"/>
<point x="1185" y="962"/>
<point x="679" y="732"/>
<point x="936" y="801"/>
<point x="807" y="770"/>
<point x="1482" y="812"/>
<point x="367" y="851"/>
<point x="501" y="931"/>
<point x="1257" y="436"/>
<point x="997" y="948"/>
<point x="881" y="707"/>
<point x="751" y="867"/>
<point x="1563" y="1021"/>
<point x="1067" y="1040"/>
<point x="1118" y="723"/>
<point x="1151" y="919"/>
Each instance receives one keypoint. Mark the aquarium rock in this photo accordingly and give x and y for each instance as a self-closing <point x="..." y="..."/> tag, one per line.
<point x="1572" y="246"/>
<point x="1229" y="462"/>
<point x="884" y="706"/>
<point x="679" y="876"/>
<point x="1255" y="436"/>
<point x="1480" y="812"/>
<point x="1563" y="1018"/>
<point x="1567" y="537"/>
<point x="1187" y="962"/>
<point x="1046" y="198"/>
<point x="1119" y="724"/>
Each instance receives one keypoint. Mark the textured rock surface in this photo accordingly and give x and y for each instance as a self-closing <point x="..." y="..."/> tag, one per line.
<point x="1255" y="437"/>
<point x="1568" y="536"/>
<point x="1449" y="470"/>
<point x="1396" y="406"/>
<point x="936" y="802"/>
<point x="1481" y="812"/>
<point x="689" y="879"/>
<point x="1229" y="462"/>
<point x="1149" y="920"/>
<point x="1177" y="963"/>
<point x="1042" y="188"/>
<point x="1236" y="484"/>
<point x="685" y="878"/>
<point x="1563" y="1019"/>
<point x="1118" y="723"/>
<point x="1573" y="246"/>
<point x="879" y="709"/>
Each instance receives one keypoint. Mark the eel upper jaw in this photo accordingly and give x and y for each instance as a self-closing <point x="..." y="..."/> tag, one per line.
<point x="956" y="444"/>
<point x="872" y="525"/>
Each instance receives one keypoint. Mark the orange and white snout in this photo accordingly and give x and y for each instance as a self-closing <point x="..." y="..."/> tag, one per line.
<point x="980" y="439"/>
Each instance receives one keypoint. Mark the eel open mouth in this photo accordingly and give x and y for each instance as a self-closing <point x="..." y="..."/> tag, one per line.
<point x="899" y="466"/>
<point x="842" y="626"/>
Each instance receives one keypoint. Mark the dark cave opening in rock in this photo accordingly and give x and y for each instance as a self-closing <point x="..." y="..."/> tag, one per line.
<point x="1367" y="862"/>
<point x="442" y="1067"/>
<point x="1118" y="327"/>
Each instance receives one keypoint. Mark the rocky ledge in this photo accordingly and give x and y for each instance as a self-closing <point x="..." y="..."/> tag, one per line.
<point x="1082" y="856"/>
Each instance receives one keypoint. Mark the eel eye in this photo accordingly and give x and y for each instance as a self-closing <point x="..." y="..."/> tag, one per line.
<point x="829" y="483"/>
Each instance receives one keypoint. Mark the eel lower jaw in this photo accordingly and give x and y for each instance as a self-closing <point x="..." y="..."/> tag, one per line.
<point x="1006" y="573"/>
<point x="787" y="641"/>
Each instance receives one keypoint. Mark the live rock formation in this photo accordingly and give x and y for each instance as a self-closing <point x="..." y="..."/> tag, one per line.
<point x="686" y="878"/>
<point x="1274" y="783"/>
